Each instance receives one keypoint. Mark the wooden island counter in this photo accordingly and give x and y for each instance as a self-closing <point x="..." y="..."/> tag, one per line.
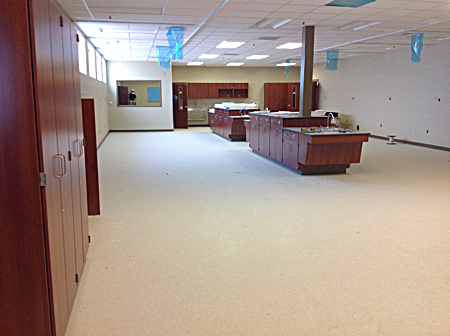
<point x="305" y="143"/>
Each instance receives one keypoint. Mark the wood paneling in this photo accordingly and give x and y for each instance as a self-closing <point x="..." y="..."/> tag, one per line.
<point x="93" y="190"/>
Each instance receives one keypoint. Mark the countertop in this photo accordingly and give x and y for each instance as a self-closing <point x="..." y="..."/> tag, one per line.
<point x="325" y="132"/>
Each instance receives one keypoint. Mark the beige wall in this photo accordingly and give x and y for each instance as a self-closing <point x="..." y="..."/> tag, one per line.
<point x="388" y="94"/>
<point x="140" y="118"/>
<point x="255" y="77"/>
<point x="92" y="88"/>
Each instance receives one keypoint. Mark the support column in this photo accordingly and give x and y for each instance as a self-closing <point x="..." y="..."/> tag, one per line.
<point x="306" y="70"/>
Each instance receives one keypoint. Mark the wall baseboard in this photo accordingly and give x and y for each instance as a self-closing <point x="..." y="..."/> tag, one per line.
<point x="144" y="130"/>
<point x="407" y="142"/>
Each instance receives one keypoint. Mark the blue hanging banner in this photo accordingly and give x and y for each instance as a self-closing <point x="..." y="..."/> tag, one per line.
<point x="163" y="53"/>
<point x="175" y="38"/>
<point x="288" y="67"/>
<point x="332" y="59"/>
<point x="416" y="47"/>
<point x="349" y="3"/>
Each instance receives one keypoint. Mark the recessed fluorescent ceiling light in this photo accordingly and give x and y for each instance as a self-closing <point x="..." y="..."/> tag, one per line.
<point x="286" y="64"/>
<point x="195" y="63"/>
<point x="230" y="45"/>
<point x="279" y="24"/>
<point x="366" y="25"/>
<point x="209" y="56"/>
<point x="351" y="24"/>
<point x="289" y="46"/>
<point x="264" y="22"/>
<point x="234" y="64"/>
<point x="257" y="57"/>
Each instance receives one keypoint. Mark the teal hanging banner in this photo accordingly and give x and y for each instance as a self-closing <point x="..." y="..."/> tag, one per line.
<point x="163" y="53"/>
<point x="416" y="47"/>
<point x="288" y="67"/>
<point x="349" y="3"/>
<point x="332" y="59"/>
<point x="175" y="38"/>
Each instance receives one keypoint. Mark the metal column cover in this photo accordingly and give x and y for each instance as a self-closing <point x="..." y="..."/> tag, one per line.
<point x="306" y="70"/>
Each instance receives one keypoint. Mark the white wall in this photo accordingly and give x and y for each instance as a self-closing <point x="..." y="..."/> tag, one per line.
<point x="388" y="89"/>
<point x="139" y="118"/>
<point x="92" y="88"/>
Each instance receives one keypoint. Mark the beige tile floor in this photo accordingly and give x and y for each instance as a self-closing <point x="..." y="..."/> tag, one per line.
<point x="200" y="236"/>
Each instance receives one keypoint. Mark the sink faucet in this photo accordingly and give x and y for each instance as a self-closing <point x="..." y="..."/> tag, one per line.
<point x="328" y="120"/>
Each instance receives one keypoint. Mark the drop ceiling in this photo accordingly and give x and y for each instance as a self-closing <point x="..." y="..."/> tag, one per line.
<point x="129" y="30"/>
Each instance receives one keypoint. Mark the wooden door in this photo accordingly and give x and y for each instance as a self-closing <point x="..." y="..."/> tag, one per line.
<point x="75" y="151"/>
<point x="48" y="150"/>
<point x="24" y="295"/>
<point x="62" y="158"/>
<point x="122" y="95"/>
<point x="80" y="153"/>
<point x="180" y="114"/>
<point x="93" y="191"/>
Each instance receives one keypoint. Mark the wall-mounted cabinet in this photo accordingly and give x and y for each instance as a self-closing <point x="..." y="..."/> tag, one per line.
<point x="286" y="96"/>
<point x="217" y="90"/>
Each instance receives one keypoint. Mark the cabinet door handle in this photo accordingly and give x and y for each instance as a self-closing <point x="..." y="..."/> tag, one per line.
<point x="61" y="165"/>
<point x="80" y="148"/>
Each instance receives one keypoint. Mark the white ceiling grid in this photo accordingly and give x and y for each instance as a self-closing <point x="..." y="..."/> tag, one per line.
<point x="130" y="29"/>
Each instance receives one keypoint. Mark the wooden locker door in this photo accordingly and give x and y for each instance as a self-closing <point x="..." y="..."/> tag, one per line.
<point x="24" y="295"/>
<point x="48" y="150"/>
<point x="63" y="166"/>
<point x="81" y="153"/>
<point x="74" y="145"/>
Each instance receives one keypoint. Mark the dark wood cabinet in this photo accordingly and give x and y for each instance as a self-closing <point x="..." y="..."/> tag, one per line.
<point x="275" y="96"/>
<point x="290" y="149"/>
<point x="217" y="90"/>
<point x="264" y="135"/>
<point x="43" y="230"/>
<point x="254" y="132"/>
<point x="286" y="96"/>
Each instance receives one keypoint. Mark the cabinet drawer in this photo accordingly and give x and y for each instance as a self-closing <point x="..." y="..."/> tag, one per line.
<point x="286" y="135"/>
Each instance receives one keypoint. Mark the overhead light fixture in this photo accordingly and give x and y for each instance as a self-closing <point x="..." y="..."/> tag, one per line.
<point x="257" y="57"/>
<point x="351" y="25"/>
<point x="229" y="45"/>
<point x="234" y="64"/>
<point x="279" y="24"/>
<point x="209" y="56"/>
<point x="286" y="64"/>
<point x="289" y="46"/>
<point x="195" y="63"/>
<point x="366" y="25"/>
<point x="264" y="22"/>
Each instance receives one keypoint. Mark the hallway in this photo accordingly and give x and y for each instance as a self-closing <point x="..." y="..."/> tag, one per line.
<point x="200" y="236"/>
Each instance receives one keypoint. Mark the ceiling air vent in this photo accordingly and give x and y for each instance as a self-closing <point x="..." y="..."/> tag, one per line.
<point x="269" y="38"/>
<point x="230" y="54"/>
